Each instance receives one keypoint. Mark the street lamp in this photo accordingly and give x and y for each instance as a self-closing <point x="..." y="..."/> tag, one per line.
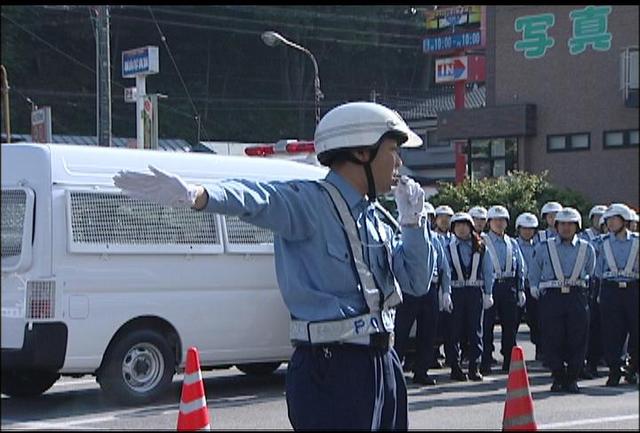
<point x="272" y="39"/>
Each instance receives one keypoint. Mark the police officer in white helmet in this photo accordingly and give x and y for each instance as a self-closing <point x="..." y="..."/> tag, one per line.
<point x="526" y="225"/>
<point x="479" y="215"/>
<point x="559" y="275"/>
<point x="548" y="215"/>
<point x="617" y="269"/>
<point x="333" y="257"/>
<point x="443" y="225"/>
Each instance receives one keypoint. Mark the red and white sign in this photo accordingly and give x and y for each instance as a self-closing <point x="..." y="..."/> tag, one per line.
<point x="451" y="69"/>
<point x="41" y="125"/>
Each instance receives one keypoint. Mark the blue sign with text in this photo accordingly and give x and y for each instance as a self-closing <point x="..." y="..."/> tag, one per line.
<point x="454" y="41"/>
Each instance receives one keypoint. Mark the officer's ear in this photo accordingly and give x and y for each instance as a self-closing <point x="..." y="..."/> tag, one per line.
<point x="361" y="155"/>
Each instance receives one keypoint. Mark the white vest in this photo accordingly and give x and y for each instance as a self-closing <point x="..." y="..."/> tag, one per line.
<point x="497" y="269"/>
<point x="475" y="263"/>
<point x="611" y="262"/>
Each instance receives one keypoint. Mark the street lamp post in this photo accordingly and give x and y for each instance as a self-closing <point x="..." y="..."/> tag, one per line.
<point x="272" y="39"/>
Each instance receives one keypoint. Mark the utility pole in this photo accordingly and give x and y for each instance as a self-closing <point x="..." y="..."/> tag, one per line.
<point x="103" y="76"/>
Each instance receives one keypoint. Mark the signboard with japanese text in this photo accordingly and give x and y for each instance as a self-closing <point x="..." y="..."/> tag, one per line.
<point x="41" y="125"/>
<point x="140" y="61"/>
<point x="453" y="16"/>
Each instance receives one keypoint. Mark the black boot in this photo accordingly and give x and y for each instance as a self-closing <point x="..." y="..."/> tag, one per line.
<point x="614" y="376"/>
<point x="585" y="373"/>
<point x="485" y="369"/>
<point x="592" y="368"/>
<point x="558" y="380"/>
<point x="571" y="383"/>
<point x="474" y="375"/>
<point x="457" y="374"/>
<point x="423" y="379"/>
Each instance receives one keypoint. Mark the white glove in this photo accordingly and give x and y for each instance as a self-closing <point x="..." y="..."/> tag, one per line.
<point x="522" y="298"/>
<point x="598" y="299"/>
<point x="447" y="302"/>
<point x="487" y="301"/>
<point x="535" y="292"/>
<point x="440" y="307"/>
<point x="409" y="197"/>
<point x="160" y="187"/>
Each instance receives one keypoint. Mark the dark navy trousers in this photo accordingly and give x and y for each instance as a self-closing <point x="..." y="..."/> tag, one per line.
<point x="466" y="321"/>
<point x="619" y="315"/>
<point x="565" y="328"/>
<point x="505" y="304"/>
<point x="346" y="387"/>
<point x="595" y="352"/>
<point x="424" y="311"/>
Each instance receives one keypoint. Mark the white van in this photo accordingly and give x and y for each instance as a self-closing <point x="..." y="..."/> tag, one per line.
<point x="94" y="282"/>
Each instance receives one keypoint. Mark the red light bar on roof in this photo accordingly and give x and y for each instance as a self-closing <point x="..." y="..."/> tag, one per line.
<point x="267" y="149"/>
<point x="300" y="147"/>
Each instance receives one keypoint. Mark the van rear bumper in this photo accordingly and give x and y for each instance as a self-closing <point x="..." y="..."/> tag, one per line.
<point x="44" y="348"/>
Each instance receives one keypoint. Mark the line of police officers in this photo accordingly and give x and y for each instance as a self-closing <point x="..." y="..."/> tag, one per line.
<point x="579" y="289"/>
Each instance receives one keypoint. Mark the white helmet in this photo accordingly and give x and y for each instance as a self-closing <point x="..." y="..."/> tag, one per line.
<point x="597" y="210"/>
<point x="428" y="209"/>
<point x="358" y="124"/>
<point x="550" y="206"/>
<point x="498" y="212"/>
<point x="461" y="216"/>
<point x="635" y="216"/>
<point x="527" y="220"/>
<point x="444" y="210"/>
<point x="569" y="215"/>
<point x="478" y="212"/>
<point x="620" y="209"/>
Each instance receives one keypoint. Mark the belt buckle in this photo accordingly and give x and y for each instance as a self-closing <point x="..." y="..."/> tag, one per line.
<point x="565" y="289"/>
<point x="622" y="285"/>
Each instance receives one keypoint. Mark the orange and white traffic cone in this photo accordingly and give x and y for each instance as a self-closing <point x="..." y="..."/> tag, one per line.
<point x="518" y="407"/>
<point x="194" y="414"/>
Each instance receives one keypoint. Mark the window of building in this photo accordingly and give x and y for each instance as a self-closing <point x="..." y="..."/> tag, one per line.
<point x="618" y="139"/>
<point x="568" y="142"/>
<point x="493" y="157"/>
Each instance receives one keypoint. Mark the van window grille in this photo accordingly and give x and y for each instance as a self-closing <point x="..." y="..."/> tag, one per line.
<point x="240" y="232"/>
<point x="14" y="202"/>
<point x="105" y="218"/>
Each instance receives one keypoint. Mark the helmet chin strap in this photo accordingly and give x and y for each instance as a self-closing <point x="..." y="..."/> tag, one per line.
<point x="371" y="185"/>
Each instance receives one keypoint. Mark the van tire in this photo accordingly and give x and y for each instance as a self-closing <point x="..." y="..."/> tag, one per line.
<point x="138" y="368"/>
<point x="27" y="383"/>
<point x="259" y="368"/>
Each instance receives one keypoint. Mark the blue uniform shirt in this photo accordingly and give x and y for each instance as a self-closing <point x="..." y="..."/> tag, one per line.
<point x="597" y="238"/>
<point x="550" y="233"/>
<point x="620" y="249"/>
<point x="443" y="238"/>
<point x="436" y="264"/>
<point x="466" y="259"/>
<point x="542" y="269"/>
<point x="500" y="244"/>
<point x="312" y="255"/>
<point x="527" y="248"/>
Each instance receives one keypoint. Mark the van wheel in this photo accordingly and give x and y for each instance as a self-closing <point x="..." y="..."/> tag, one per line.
<point x="27" y="383"/>
<point x="138" y="368"/>
<point x="259" y="368"/>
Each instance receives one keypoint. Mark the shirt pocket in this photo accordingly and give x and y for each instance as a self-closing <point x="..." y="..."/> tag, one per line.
<point x="338" y="252"/>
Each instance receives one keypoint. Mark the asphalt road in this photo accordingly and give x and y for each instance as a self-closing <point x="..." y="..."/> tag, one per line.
<point x="237" y="401"/>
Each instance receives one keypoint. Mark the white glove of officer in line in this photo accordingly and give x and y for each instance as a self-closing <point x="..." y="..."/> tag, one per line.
<point x="535" y="292"/>
<point x="409" y="197"/>
<point x="522" y="298"/>
<point x="447" y="302"/>
<point x="159" y="187"/>
<point x="487" y="301"/>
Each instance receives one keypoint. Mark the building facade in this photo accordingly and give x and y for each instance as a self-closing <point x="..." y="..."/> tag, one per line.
<point x="562" y="96"/>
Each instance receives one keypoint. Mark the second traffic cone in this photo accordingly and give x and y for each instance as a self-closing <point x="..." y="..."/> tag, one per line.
<point x="518" y="407"/>
<point x="194" y="414"/>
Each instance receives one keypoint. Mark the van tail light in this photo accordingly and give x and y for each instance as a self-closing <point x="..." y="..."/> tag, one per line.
<point x="267" y="149"/>
<point x="301" y="147"/>
<point x="41" y="299"/>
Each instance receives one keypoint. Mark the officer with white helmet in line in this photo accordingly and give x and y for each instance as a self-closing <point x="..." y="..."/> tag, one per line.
<point x="548" y="215"/>
<point x="479" y="215"/>
<point x="633" y="226"/>
<point x="471" y="282"/>
<point x="443" y="225"/>
<point x="505" y="258"/>
<point x="430" y="214"/>
<point x="421" y="304"/>
<point x="559" y="275"/>
<point x="595" y="352"/>
<point x="617" y="269"/>
<point x="333" y="257"/>
<point x="526" y="225"/>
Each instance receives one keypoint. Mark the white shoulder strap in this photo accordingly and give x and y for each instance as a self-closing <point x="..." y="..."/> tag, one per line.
<point x="608" y="254"/>
<point x="633" y="256"/>
<point x="369" y="288"/>
<point x="493" y="254"/>
<point x="590" y="234"/>
<point x="579" y="264"/>
<point x="474" y="266"/>
<point x="542" y="235"/>
<point x="555" y="260"/>
<point x="509" y="264"/>
<point x="455" y="258"/>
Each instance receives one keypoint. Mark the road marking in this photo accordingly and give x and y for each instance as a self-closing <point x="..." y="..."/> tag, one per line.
<point x="588" y="421"/>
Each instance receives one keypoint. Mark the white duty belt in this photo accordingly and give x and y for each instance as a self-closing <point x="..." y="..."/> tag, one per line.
<point x="509" y="272"/>
<point x="475" y="262"/>
<point x="632" y="260"/>
<point x="378" y="319"/>
<point x="560" y="281"/>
